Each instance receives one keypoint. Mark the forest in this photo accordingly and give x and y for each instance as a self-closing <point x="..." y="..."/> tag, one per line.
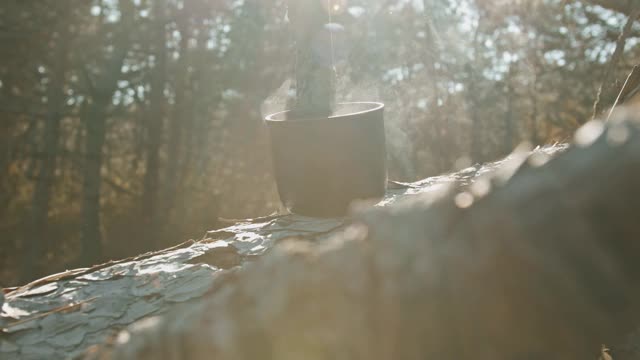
<point x="133" y="125"/>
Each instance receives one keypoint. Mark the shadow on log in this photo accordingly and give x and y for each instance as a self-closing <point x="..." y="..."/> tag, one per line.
<point x="539" y="261"/>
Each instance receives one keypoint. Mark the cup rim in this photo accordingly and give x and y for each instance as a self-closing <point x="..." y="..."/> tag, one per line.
<point x="278" y="118"/>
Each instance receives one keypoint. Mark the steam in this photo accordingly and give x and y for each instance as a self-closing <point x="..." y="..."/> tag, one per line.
<point x="331" y="49"/>
<point x="278" y="100"/>
<point x="397" y="127"/>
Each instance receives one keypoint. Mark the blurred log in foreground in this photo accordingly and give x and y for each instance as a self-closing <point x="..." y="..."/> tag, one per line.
<point x="538" y="262"/>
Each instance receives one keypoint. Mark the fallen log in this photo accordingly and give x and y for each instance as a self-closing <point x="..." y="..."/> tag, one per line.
<point x="535" y="261"/>
<point x="63" y="315"/>
<point x="527" y="258"/>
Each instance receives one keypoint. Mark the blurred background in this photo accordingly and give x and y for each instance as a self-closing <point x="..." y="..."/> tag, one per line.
<point x="131" y="125"/>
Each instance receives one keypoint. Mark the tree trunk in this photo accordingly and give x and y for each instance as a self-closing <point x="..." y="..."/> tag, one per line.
<point x="475" y="150"/>
<point x="178" y="118"/>
<point x="534" y="136"/>
<point x="508" y="116"/>
<point x="38" y="239"/>
<point x="473" y="98"/>
<point x="199" y="109"/>
<point x="155" y="124"/>
<point x="432" y="56"/>
<point x="95" y="123"/>
<point x="91" y="235"/>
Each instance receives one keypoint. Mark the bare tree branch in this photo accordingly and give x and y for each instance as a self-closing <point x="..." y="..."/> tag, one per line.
<point x="617" y="53"/>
